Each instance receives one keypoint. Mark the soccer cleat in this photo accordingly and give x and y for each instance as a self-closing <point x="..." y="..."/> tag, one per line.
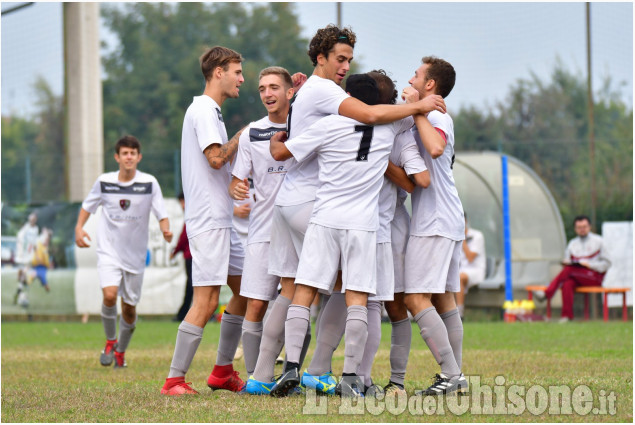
<point x="324" y="384"/>
<point x="254" y="387"/>
<point x="444" y="385"/>
<point x="394" y="389"/>
<point x="108" y="355"/>
<point x="350" y="386"/>
<point x="178" y="388"/>
<point x="287" y="382"/>
<point x="373" y="391"/>
<point x="231" y="382"/>
<point x="120" y="362"/>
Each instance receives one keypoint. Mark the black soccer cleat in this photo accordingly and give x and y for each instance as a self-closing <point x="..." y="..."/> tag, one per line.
<point x="350" y="386"/>
<point x="285" y="385"/>
<point x="444" y="385"/>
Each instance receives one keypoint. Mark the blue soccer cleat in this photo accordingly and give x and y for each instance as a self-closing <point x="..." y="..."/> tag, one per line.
<point x="254" y="387"/>
<point x="324" y="384"/>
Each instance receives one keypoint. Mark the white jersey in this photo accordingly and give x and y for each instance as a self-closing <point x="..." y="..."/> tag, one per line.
<point x="404" y="154"/>
<point x="437" y="210"/>
<point x="207" y="201"/>
<point x="254" y="158"/>
<point x="122" y="233"/>
<point x="26" y="240"/>
<point x="318" y="98"/>
<point x="352" y="159"/>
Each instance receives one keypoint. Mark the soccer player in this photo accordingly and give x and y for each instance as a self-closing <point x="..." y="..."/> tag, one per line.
<point x="253" y="158"/>
<point x="217" y="254"/>
<point x="352" y="159"/>
<point x="436" y="233"/>
<point x="127" y="196"/>
<point x="331" y="52"/>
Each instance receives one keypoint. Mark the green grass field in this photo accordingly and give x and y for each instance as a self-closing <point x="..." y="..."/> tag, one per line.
<point x="51" y="373"/>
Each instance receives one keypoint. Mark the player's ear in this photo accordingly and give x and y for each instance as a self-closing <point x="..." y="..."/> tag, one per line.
<point x="140" y="156"/>
<point x="290" y="93"/>
<point x="321" y="59"/>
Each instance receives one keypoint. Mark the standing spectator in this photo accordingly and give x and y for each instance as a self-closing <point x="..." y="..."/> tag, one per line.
<point x="473" y="264"/>
<point x="585" y="263"/>
<point x="184" y="247"/>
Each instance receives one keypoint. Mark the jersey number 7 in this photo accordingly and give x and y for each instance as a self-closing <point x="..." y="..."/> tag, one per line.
<point x="364" y="145"/>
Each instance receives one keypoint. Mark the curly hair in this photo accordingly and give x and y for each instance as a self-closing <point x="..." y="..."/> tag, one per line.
<point x="325" y="38"/>
<point x="387" y="91"/>
<point x="442" y="72"/>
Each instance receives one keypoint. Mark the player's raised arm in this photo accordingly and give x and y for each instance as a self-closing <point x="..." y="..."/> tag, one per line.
<point x="80" y="233"/>
<point x="218" y="155"/>
<point x="383" y="114"/>
<point x="278" y="149"/>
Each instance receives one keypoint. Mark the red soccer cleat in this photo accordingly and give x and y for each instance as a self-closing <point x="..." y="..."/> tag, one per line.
<point x="177" y="386"/>
<point x="225" y="378"/>
<point x="108" y="355"/>
<point x="120" y="362"/>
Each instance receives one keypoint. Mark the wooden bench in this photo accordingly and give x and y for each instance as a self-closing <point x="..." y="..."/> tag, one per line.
<point x="586" y="290"/>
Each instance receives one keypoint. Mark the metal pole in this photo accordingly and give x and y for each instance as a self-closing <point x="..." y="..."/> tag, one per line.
<point x="591" y="115"/>
<point x="507" y="241"/>
<point x="339" y="14"/>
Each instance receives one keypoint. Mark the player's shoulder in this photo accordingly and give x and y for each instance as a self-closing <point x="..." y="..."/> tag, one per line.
<point x="439" y="117"/>
<point x="142" y="177"/>
<point x="263" y="129"/>
<point x="109" y="177"/>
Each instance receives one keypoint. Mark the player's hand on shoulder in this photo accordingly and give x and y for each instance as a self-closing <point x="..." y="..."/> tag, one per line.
<point x="80" y="238"/>
<point x="433" y="102"/>
<point x="298" y="80"/>
<point x="167" y="235"/>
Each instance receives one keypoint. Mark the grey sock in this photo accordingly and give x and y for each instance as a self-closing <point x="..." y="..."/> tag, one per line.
<point x="461" y="309"/>
<point x="231" y="327"/>
<point x="305" y="344"/>
<point x="332" y="325"/>
<point x="324" y="299"/>
<point x="125" y="334"/>
<point x="295" y="330"/>
<point x="400" y="341"/>
<point x="109" y="320"/>
<point x="314" y="311"/>
<point x="356" y="335"/>
<point x="454" y="326"/>
<point x="252" y="334"/>
<point x="188" y="338"/>
<point x="372" y="342"/>
<point x="435" y="335"/>
<point x="272" y="340"/>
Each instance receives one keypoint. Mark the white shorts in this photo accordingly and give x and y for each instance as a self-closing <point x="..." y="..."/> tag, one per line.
<point x="216" y="253"/>
<point x="256" y="282"/>
<point x="320" y="259"/>
<point x="432" y="265"/>
<point x="288" y="227"/>
<point x="129" y="283"/>
<point x="399" y="234"/>
<point x="385" y="274"/>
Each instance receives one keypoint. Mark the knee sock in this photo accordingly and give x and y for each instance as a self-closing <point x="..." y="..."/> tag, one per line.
<point x="324" y="299"/>
<point x="435" y="335"/>
<point x="295" y="330"/>
<point x="305" y="344"/>
<point x="125" y="334"/>
<point x="454" y="326"/>
<point x="400" y="341"/>
<point x="272" y="340"/>
<point x="372" y="342"/>
<point x="332" y="325"/>
<point x="355" y="340"/>
<point x="109" y="320"/>
<point x="188" y="338"/>
<point x="231" y="327"/>
<point x="252" y="334"/>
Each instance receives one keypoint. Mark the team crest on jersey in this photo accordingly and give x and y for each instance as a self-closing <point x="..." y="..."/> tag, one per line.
<point x="124" y="204"/>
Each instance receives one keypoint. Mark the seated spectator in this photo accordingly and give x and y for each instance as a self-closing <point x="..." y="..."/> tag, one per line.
<point x="473" y="264"/>
<point x="585" y="263"/>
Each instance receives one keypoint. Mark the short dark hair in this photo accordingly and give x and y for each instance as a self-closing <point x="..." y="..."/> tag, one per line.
<point x="181" y="196"/>
<point x="386" y="86"/>
<point x="280" y="71"/>
<point x="128" y="142"/>
<point x="364" y="88"/>
<point x="215" y="57"/>
<point x="442" y="72"/>
<point x="325" y="38"/>
<point x="581" y="218"/>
